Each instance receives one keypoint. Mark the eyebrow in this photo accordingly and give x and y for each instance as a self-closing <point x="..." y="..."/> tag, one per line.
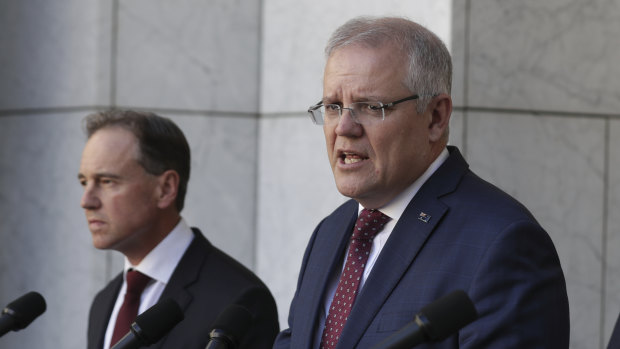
<point x="100" y="175"/>
<point x="369" y="98"/>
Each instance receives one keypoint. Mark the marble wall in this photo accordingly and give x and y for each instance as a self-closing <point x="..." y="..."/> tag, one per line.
<point x="535" y="96"/>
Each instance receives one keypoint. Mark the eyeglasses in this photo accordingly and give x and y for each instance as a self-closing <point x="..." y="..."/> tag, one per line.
<point x="362" y="113"/>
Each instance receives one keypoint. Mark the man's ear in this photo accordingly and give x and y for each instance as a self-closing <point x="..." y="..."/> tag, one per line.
<point x="440" y="108"/>
<point x="168" y="188"/>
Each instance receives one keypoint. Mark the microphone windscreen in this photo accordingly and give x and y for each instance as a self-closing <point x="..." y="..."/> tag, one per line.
<point x="26" y="308"/>
<point x="235" y="321"/>
<point x="461" y="312"/>
<point x="158" y="320"/>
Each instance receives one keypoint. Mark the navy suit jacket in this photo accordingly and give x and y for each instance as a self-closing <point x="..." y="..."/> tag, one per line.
<point x="614" y="341"/>
<point x="204" y="283"/>
<point x="478" y="239"/>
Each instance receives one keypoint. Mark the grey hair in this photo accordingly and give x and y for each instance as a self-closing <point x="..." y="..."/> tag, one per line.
<point x="430" y="64"/>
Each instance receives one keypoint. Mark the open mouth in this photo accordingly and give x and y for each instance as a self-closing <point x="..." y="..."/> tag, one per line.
<point x="351" y="158"/>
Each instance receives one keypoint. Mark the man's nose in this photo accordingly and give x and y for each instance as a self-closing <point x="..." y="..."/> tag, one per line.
<point x="347" y="125"/>
<point x="89" y="198"/>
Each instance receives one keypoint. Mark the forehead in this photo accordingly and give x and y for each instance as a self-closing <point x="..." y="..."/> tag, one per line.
<point x="109" y="149"/>
<point x="357" y="69"/>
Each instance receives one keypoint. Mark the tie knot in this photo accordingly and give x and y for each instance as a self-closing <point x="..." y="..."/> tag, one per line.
<point x="136" y="281"/>
<point x="369" y="223"/>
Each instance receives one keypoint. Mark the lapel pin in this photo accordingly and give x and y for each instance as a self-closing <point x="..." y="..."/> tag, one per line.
<point x="424" y="217"/>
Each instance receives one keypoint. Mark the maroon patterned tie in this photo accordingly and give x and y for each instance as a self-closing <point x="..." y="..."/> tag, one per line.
<point x="369" y="223"/>
<point x="136" y="282"/>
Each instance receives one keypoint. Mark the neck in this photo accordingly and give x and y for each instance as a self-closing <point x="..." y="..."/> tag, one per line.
<point x="150" y="238"/>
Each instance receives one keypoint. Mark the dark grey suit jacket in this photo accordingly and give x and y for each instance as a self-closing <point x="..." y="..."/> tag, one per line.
<point x="458" y="232"/>
<point x="204" y="283"/>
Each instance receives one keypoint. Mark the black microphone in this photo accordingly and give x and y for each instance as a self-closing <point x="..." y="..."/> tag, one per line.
<point x="234" y="323"/>
<point x="150" y="326"/>
<point x="21" y="312"/>
<point x="230" y="326"/>
<point x="435" y="322"/>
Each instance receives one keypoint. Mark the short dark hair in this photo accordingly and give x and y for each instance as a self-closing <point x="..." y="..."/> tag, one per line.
<point x="162" y="144"/>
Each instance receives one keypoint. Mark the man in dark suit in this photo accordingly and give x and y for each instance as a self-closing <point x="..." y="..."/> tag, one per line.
<point x="134" y="170"/>
<point x="437" y="226"/>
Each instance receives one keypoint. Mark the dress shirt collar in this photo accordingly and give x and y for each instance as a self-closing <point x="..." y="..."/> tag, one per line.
<point x="395" y="208"/>
<point x="163" y="259"/>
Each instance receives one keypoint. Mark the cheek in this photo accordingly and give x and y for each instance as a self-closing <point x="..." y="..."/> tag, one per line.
<point x="398" y="150"/>
<point x="120" y="209"/>
<point x="129" y="204"/>
<point x="384" y="147"/>
<point x="328" y="132"/>
<point x="330" y="140"/>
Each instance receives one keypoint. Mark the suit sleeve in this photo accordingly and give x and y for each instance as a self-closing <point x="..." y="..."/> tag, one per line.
<point x="283" y="340"/>
<point x="520" y="293"/>
<point x="614" y="341"/>
<point x="262" y="306"/>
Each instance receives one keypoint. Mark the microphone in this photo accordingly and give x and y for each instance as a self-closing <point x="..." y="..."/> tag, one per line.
<point x="235" y="321"/>
<point x="230" y="326"/>
<point x="152" y="325"/>
<point x="21" y="312"/>
<point x="435" y="322"/>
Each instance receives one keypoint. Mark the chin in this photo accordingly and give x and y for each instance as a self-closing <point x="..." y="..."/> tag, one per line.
<point x="351" y="191"/>
<point x="100" y="242"/>
<point x="101" y="246"/>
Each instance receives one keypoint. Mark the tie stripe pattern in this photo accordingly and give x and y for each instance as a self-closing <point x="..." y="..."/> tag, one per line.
<point x="136" y="283"/>
<point x="368" y="225"/>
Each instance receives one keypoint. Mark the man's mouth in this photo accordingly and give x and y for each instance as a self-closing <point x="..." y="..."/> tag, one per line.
<point x="96" y="221"/>
<point x="351" y="158"/>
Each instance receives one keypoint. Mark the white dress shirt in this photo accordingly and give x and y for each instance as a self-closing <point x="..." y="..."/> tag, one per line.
<point x="158" y="265"/>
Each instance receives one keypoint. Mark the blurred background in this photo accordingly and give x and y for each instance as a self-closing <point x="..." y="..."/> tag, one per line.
<point x="536" y="93"/>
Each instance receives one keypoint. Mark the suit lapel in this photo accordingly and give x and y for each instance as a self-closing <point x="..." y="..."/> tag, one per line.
<point x="190" y="265"/>
<point x="102" y="309"/>
<point x="414" y="227"/>
<point x="325" y="258"/>
<point x="404" y="244"/>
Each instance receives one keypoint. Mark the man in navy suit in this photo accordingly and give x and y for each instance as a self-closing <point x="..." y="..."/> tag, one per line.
<point x="134" y="170"/>
<point x="385" y="112"/>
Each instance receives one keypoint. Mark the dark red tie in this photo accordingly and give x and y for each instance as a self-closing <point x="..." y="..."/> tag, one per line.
<point x="136" y="282"/>
<point x="369" y="223"/>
